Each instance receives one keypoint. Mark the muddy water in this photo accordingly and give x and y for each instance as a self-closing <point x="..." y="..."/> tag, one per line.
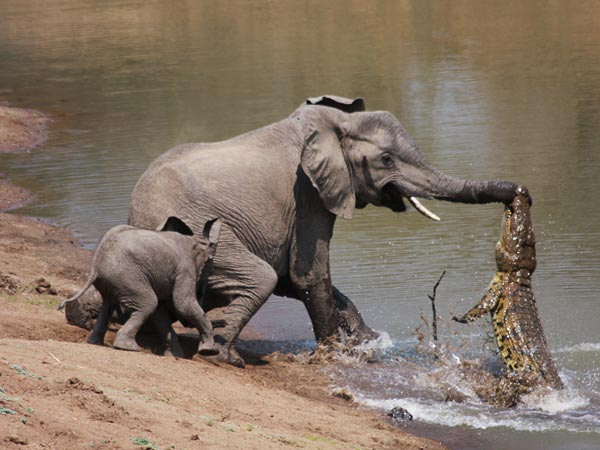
<point x="508" y="90"/>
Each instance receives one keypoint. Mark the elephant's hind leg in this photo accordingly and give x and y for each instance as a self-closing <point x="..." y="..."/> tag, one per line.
<point x="245" y="281"/>
<point x="141" y="306"/>
<point x="101" y="325"/>
<point x="162" y="323"/>
<point x="187" y="308"/>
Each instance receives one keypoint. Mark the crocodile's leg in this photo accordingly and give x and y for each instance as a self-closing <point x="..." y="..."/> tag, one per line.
<point x="503" y="392"/>
<point x="488" y="302"/>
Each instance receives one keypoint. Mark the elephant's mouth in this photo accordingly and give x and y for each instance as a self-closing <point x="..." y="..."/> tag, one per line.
<point x="393" y="197"/>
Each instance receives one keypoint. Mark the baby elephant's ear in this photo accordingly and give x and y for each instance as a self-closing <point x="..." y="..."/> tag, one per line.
<point x="175" y="224"/>
<point x="211" y="232"/>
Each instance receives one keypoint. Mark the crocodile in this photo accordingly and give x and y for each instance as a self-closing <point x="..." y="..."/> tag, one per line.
<point x="511" y="302"/>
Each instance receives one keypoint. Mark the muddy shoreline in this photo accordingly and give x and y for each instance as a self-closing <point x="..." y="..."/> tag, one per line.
<point x="21" y="129"/>
<point x="59" y="392"/>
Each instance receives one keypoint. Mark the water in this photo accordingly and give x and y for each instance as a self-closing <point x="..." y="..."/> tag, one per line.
<point x="405" y="374"/>
<point x="488" y="90"/>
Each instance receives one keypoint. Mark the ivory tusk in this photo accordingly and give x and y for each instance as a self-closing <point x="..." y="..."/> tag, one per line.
<point x="419" y="207"/>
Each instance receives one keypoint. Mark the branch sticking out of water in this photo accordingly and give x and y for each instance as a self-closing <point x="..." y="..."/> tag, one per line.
<point x="432" y="298"/>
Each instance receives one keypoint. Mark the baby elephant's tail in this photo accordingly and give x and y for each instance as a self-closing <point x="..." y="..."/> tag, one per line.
<point x="85" y="287"/>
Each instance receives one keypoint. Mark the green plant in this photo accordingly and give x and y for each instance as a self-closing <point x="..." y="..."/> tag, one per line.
<point x="144" y="442"/>
<point x="21" y="371"/>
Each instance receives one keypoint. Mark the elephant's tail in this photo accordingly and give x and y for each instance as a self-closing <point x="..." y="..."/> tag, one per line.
<point x="85" y="287"/>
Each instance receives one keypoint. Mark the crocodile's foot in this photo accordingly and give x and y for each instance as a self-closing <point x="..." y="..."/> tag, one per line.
<point x="460" y="319"/>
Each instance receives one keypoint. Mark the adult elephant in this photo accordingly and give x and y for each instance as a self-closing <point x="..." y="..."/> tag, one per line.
<point x="278" y="191"/>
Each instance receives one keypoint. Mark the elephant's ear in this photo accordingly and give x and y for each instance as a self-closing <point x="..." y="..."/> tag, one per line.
<point x="212" y="232"/>
<point x="324" y="162"/>
<point x="175" y="224"/>
<point x="343" y="104"/>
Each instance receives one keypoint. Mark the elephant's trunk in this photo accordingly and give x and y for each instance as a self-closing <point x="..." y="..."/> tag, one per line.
<point x="470" y="191"/>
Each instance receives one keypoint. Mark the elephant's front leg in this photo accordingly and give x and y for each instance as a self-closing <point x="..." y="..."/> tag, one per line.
<point x="311" y="278"/>
<point x="350" y="319"/>
<point x="318" y="300"/>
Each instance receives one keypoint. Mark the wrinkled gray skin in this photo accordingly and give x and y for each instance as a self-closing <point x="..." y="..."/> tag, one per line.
<point x="149" y="274"/>
<point x="279" y="190"/>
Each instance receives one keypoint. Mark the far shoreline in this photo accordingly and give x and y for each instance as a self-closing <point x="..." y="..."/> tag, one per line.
<point x="21" y="129"/>
<point x="12" y="196"/>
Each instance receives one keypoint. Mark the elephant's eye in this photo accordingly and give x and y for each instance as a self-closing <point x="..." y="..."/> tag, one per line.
<point x="387" y="160"/>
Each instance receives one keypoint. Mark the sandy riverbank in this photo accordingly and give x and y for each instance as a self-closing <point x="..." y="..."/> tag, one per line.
<point x="21" y="129"/>
<point x="58" y="392"/>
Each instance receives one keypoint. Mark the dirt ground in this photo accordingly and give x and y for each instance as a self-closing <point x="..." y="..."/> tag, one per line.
<point x="57" y="392"/>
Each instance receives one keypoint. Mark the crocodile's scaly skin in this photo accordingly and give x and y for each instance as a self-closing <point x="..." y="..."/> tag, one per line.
<point x="510" y="300"/>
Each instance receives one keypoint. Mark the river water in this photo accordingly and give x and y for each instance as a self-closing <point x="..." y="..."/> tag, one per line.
<point x="487" y="89"/>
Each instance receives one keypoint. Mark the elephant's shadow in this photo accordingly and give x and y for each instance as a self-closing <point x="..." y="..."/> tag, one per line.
<point x="253" y="351"/>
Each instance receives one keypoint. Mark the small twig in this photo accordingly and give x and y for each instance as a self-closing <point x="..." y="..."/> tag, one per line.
<point x="57" y="360"/>
<point x="432" y="298"/>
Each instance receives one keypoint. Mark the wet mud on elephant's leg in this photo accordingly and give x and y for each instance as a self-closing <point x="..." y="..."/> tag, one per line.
<point x="349" y="318"/>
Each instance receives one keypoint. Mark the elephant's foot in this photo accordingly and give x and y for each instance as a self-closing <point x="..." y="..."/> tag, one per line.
<point x="227" y="353"/>
<point x="126" y="343"/>
<point x="351" y="321"/>
<point x="173" y="347"/>
<point x="364" y="335"/>
<point x="171" y="352"/>
<point x="231" y="356"/>
<point x="174" y="350"/>
<point x="208" y="348"/>
<point x="209" y="351"/>
<point x="94" y="340"/>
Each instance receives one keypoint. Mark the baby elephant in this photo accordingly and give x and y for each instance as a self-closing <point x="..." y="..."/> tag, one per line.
<point x="150" y="274"/>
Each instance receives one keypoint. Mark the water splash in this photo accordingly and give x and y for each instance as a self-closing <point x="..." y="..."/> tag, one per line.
<point x="555" y="402"/>
<point x="431" y="384"/>
<point x="582" y="347"/>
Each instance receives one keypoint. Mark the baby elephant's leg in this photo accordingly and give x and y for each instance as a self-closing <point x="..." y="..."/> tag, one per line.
<point x="101" y="325"/>
<point x="140" y="305"/>
<point x="187" y="308"/>
<point x="162" y="322"/>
